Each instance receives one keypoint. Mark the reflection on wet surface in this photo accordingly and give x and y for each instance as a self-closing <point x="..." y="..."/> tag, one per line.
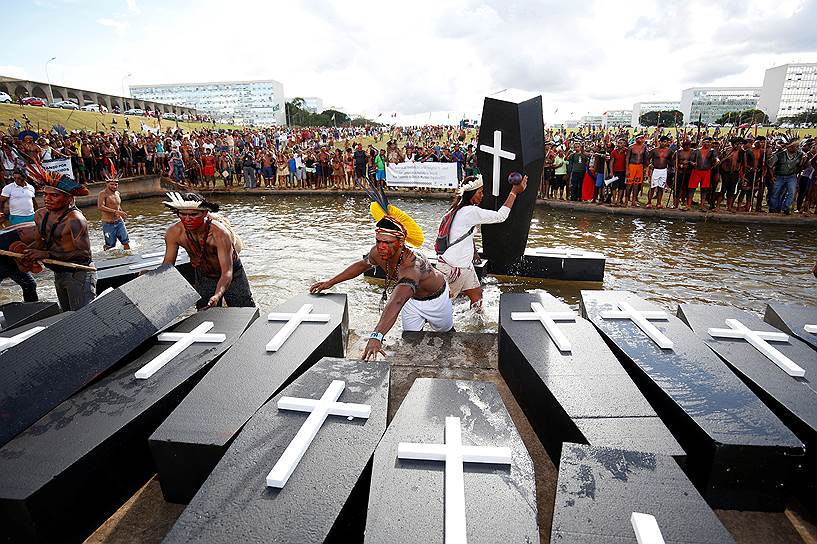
<point x="292" y="241"/>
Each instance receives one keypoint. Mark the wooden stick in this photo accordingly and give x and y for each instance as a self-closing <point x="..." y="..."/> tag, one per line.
<point x="75" y="266"/>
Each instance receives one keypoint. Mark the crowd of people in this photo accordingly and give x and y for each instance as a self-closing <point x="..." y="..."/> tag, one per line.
<point x="736" y="172"/>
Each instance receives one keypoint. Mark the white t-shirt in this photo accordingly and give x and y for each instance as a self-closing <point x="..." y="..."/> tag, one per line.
<point x="461" y="254"/>
<point x="19" y="198"/>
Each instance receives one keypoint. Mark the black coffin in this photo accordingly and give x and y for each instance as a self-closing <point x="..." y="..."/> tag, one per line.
<point x="117" y="271"/>
<point x="189" y="444"/>
<point x="46" y="369"/>
<point x="794" y="400"/>
<point x="406" y="500"/>
<point x="599" y="489"/>
<point x="547" y="263"/>
<point x="16" y="314"/>
<point x="28" y="326"/>
<point x="792" y="319"/>
<point x="324" y="500"/>
<point x="519" y="120"/>
<point x="580" y="395"/>
<point x="67" y="473"/>
<point x="739" y="454"/>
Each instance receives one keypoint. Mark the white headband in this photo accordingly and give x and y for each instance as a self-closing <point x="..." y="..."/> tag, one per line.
<point x="472" y="185"/>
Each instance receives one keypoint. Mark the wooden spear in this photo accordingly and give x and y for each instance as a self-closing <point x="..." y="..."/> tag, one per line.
<point x="75" y="266"/>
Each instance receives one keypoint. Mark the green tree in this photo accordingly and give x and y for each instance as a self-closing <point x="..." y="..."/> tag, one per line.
<point x="751" y="117"/>
<point x="666" y="118"/>
<point x="802" y="118"/>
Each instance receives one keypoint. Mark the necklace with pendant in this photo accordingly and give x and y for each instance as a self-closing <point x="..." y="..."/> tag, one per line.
<point x="390" y="284"/>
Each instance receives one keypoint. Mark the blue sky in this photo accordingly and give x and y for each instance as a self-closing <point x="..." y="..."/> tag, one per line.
<point x="369" y="56"/>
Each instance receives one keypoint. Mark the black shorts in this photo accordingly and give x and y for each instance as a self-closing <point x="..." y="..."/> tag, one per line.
<point x="547" y="174"/>
<point x="360" y="172"/>
<point x="621" y="182"/>
<point x="729" y="183"/>
<point x="558" y="181"/>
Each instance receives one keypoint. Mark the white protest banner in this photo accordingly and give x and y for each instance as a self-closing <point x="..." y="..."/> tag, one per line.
<point x="439" y="175"/>
<point x="60" y="166"/>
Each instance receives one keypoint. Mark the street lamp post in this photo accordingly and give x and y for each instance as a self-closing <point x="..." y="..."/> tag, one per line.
<point x="48" y="78"/>
<point x="124" y="96"/>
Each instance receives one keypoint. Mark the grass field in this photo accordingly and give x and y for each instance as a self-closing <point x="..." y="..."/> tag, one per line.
<point x="45" y="118"/>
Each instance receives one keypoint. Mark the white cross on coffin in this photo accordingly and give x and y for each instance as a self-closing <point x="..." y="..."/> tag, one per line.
<point x="561" y="253"/>
<point x="641" y="320"/>
<point x="183" y="340"/>
<point x="758" y="340"/>
<point x="454" y="454"/>
<point x="498" y="154"/>
<point x="646" y="529"/>
<point x="155" y="262"/>
<point x="320" y="410"/>
<point x="7" y="342"/>
<point x="292" y="323"/>
<point x="810" y="328"/>
<point x="548" y="320"/>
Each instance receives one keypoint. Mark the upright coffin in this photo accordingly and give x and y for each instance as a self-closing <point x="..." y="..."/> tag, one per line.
<point x="429" y="501"/>
<point x="16" y="314"/>
<point x="189" y="444"/>
<point x="67" y="473"/>
<point x="799" y="321"/>
<point x="511" y="126"/>
<point x="739" y="454"/>
<point x="600" y="488"/>
<point x="570" y="385"/>
<point x="48" y="368"/>
<point x="324" y="499"/>
<point x="792" y="398"/>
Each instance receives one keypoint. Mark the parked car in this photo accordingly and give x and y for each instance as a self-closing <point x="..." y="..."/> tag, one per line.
<point x="64" y="104"/>
<point x="135" y="111"/>
<point x="95" y="107"/>
<point x="32" y="101"/>
<point x="5" y="97"/>
<point x="169" y="116"/>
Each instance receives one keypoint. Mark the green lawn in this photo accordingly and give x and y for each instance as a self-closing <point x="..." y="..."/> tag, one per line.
<point x="45" y="118"/>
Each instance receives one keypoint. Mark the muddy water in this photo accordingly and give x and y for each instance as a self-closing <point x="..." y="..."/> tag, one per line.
<point x="292" y="241"/>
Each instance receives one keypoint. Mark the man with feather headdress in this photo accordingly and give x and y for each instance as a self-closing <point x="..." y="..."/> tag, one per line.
<point x="62" y="234"/>
<point x="419" y="293"/>
<point x="213" y="248"/>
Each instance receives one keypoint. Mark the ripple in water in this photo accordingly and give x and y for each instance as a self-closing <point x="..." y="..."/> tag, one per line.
<point x="293" y="241"/>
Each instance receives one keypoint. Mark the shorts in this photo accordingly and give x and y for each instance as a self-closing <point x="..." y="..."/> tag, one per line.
<point x="621" y="182"/>
<point x="113" y="232"/>
<point x="381" y="175"/>
<point x="458" y="279"/>
<point x="729" y="183"/>
<point x="659" y="178"/>
<point x="437" y="312"/>
<point x="599" y="180"/>
<point x="635" y="174"/>
<point x="558" y="181"/>
<point x="17" y="219"/>
<point x="267" y="172"/>
<point x="209" y="171"/>
<point x="702" y="177"/>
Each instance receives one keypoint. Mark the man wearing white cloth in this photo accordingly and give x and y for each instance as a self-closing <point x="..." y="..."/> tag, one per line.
<point x="455" y="241"/>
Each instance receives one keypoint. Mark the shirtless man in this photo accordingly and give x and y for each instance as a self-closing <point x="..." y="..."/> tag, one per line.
<point x="703" y="160"/>
<point x="62" y="234"/>
<point x="682" y="175"/>
<point x="420" y="292"/>
<point x="658" y="160"/>
<point x="211" y="247"/>
<point x="109" y="203"/>
<point x="731" y="169"/>
<point x="636" y="159"/>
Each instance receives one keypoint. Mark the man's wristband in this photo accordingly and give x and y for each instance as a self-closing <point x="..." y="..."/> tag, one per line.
<point x="377" y="336"/>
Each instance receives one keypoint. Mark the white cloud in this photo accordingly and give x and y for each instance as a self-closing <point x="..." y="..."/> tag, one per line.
<point x="118" y="26"/>
<point x="17" y="72"/>
<point x="133" y="7"/>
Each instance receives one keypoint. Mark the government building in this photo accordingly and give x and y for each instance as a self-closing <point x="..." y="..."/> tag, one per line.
<point x="249" y="103"/>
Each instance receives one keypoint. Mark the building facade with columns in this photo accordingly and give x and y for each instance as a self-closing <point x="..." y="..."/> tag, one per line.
<point x="710" y="103"/>
<point x="788" y="90"/>
<point x="21" y="88"/>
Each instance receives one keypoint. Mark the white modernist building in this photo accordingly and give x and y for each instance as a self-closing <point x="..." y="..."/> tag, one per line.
<point x="258" y="103"/>
<point x="659" y="105"/>
<point x="788" y="90"/>
<point x="711" y="102"/>
<point x="617" y="118"/>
